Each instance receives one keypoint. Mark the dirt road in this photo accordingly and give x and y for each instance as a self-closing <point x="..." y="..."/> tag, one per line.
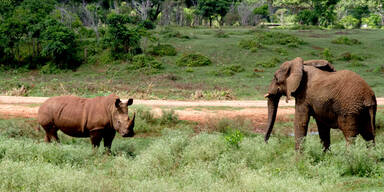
<point x="198" y="111"/>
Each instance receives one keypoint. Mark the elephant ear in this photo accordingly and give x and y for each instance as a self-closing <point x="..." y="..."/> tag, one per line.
<point x="320" y="64"/>
<point x="294" y="77"/>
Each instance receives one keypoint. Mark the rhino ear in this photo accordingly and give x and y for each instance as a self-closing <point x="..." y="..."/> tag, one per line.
<point x="117" y="103"/>
<point x="130" y="101"/>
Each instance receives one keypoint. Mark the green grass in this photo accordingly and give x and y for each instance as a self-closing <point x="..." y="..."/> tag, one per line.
<point x="177" y="158"/>
<point x="101" y="75"/>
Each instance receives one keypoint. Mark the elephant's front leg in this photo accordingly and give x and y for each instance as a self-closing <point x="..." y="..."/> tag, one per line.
<point x="301" y="124"/>
<point x="325" y="134"/>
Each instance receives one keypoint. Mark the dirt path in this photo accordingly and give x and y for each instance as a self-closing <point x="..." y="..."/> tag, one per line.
<point x="198" y="111"/>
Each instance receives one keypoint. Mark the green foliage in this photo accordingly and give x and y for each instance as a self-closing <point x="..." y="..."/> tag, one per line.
<point x="307" y="17"/>
<point x="373" y="21"/>
<point x="321" y="13"/>
<point x="221" y="34"/>
<point x="346" y="41"/>
<point x="170" y="33"/>
<point x="58" y="43"/>
<point x="349" y="22"/>
<point x="147" y="24"/>
<point x="234" y="138"/>
<point x="163" y="50"/>
<point x="213" y="8"/>
<point x="327" y="55"/>
<point x="268" y="64"/>
<point x="145" y="62"/>
<point x="123" y="38"/>
<point x="193" y="60"/>
<point x="265" y="38"/>
<point x="347" y="56"/>
<point x="169" y="117"/>
<point x="229" y="70"/>
<point x="262" y="11"/>
<point x="50" y="68"/>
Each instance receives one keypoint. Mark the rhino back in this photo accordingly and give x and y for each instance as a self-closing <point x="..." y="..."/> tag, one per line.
<point x="64" y="112"/>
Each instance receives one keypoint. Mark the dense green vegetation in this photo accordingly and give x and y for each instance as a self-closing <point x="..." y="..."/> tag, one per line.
<point x="241" y="73"/>
<point x="171" y="155"/>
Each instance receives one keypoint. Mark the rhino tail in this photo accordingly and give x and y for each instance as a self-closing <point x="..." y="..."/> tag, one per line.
<point x="37" y="128"/>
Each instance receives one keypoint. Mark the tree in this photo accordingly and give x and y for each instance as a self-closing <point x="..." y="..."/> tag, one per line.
<point x="148" y="9"/>
<point x="58" y="43"/>
<point x="211" y="9"/>
<point x="122" y="37"/>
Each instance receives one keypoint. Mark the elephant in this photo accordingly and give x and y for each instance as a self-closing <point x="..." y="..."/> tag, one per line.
<point x="335" y="99"/>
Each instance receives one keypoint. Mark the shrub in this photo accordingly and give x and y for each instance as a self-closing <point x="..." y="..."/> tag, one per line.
<point x="193" y="60"/>
<point x="347" y="56"/>
<point x="145" y="62"/>
<point x="229" y="70"/>
<point x="234" y="138"/>
<point x="268" y="64"/>
<point x="252" y="44"/>
<point x="221" y="34"/>
<point x="346" y="41"/>
<point x="307" y="17"/>
<point x="169" y="117"/>
<point x="261" y="39"/>
<point x="50" y="68"/>
<point x="169" y="33"/>
<point x="163" y="50"/>
<point x="147" y="24"/>
<point x="373" y="21"/>
<point x="327" y="54"/>
<point x="349" y="22"/>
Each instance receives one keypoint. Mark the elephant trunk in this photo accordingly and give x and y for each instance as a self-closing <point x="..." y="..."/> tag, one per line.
<point x="273" y="102"/>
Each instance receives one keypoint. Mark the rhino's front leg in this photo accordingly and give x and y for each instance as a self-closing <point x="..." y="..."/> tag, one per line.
<point x="96" y="137"/>
<point x="109" y="134"/>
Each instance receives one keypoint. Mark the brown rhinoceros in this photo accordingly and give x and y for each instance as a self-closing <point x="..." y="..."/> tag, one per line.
<point x="97" y="118"/>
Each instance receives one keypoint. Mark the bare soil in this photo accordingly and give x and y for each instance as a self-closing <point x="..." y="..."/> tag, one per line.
<point x="197" y="111"/>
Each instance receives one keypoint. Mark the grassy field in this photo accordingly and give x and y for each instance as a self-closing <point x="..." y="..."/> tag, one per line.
<point x="101" y="75"/>
<point x="171" y="155"/>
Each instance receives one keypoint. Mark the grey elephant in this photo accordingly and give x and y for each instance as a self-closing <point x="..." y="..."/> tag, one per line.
<point x="336" y="99"/>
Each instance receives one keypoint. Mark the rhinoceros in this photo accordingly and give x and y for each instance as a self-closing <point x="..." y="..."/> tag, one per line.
<point x="98" y="118"/>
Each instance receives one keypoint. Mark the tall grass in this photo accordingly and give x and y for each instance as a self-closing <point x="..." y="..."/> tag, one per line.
<point x="181" y="160"/>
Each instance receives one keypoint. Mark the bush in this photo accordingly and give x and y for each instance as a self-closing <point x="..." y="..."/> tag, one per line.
<point x="346" y="41"/>
<point x="307" y="17"/>
<point x="146" y="62"/>
<point x="373" y="21"/>
<point x="170" y="33"/>
<point x="327" y="55"/>
<point x="193" y="60"/>
<point x="163" y="50"/>
<point x="147" y="24"/>
<point x="234" y="138"/>
<point x="347" y="56"/>
<point x="268" y="64"/>
<point x="50" y="68"/>
<point x="263" y="39"/>
<point x="349" y="22"/>
<point x="221" y="34"/>
<point x="229" y="70"/>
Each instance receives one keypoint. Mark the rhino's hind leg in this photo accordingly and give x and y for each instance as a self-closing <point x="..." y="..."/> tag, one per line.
<point x="51" y="132"/>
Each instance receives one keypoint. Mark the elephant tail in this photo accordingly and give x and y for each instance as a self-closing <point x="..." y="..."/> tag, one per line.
<point x="372" y="116"/>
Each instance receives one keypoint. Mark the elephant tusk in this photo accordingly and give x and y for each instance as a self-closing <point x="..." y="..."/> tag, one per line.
<point x="266" y="95"/>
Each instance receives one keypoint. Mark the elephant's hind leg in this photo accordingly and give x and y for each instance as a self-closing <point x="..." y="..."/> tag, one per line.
<point x="349" y="126"/>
